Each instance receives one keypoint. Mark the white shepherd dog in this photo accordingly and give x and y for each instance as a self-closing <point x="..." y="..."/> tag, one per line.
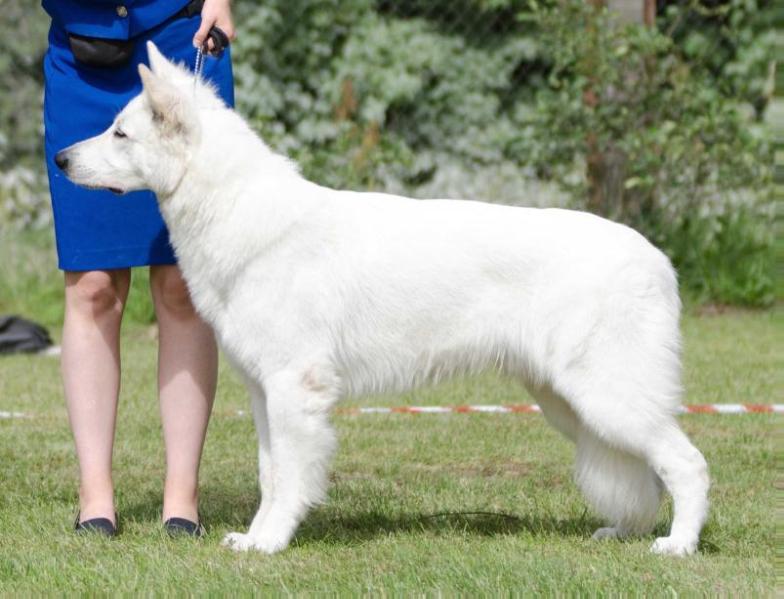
<point x="316" y="293"/>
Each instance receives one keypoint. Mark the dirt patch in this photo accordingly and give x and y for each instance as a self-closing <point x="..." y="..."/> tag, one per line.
<point x="480" y="469"/>
<point x="708" y="310"/>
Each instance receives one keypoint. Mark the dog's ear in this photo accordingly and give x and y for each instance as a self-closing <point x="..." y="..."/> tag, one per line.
<point x="159" y="64"/>
<point x="171" y="109"/>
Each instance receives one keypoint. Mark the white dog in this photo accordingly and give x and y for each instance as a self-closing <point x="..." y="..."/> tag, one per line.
<point x="316" y="293"/>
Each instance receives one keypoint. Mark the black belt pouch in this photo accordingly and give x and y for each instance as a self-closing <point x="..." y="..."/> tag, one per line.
<point x="99" y="52"/>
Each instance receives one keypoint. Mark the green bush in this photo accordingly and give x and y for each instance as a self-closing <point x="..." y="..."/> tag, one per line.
<point x="24" y="201"/>
<point x="367" y="95"/>
<point x="664" y="150"/>
<point x="735" y="41"/>
<point x="485" y="99"/>
<point x="728" y="257"/>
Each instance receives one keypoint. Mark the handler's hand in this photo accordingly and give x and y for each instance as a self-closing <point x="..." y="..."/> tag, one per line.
<point x="214" y="12"/>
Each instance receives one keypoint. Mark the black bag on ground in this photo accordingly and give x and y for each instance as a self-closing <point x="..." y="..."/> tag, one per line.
<point x="18" y="335"/>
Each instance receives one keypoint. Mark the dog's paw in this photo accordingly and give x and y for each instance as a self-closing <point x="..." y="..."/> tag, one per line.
<point x="673" y="546"/>
<point x="609" y="532"/>
<point x="238" y="541"/>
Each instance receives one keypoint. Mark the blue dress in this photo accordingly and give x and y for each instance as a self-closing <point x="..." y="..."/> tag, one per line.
<point x="98" y="230"/>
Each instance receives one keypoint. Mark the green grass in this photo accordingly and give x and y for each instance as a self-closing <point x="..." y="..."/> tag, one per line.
<point x="380" y="532"/>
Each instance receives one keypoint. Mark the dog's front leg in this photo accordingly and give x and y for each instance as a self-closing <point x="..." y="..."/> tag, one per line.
<point x="301" y="443"/>
<point x="258" y="403"/>
<point x="266" y="478"/>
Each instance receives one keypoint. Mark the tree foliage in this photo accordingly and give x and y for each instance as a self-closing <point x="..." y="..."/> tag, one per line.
<point x="735" y="41"/>
<point x="368" y="95"/>
<point x="485" y="99"/>
<point x="678" y="159"/>
<point x="23" y="197"/>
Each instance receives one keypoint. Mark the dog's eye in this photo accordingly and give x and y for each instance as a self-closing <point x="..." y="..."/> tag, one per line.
<point x="119" y="133"/>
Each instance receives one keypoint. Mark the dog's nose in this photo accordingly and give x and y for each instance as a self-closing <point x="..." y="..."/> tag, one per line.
<point x="61" y="160"/>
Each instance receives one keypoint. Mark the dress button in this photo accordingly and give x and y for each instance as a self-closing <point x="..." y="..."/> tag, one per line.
<point x="122" y="11"/>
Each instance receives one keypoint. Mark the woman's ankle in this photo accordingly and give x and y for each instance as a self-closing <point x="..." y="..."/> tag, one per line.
<point x="96" y="501"/>
<point x="178" y="504"/>
<point x="91" y="510"/>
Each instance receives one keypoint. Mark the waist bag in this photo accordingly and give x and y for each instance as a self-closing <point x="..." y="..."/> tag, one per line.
<point x="109" y="53"/>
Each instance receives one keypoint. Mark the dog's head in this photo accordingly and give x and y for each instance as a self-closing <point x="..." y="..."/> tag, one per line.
<point x="150" y="143"/>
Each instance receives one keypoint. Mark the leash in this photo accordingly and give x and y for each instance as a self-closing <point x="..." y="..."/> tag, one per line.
<point x="198" y="65"/>
<point x="219" y="43"/>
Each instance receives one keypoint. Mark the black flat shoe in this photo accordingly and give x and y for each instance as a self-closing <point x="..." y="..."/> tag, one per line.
<point x="180" y="527"/>
<point x="101" y="526"/>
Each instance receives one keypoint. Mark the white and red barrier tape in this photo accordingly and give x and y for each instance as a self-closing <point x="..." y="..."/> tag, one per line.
<point x="726" y="408"/>
<point x="715" y="408"/>
<point x="11" y="415"/>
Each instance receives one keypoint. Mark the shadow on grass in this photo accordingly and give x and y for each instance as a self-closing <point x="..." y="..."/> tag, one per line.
<point x="225" y="507"/>
<point x="233" y="508"/>
<point x="327" y="527"/>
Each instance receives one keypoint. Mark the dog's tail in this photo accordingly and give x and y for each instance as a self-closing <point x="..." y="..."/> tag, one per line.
<point x="620" y="486"/>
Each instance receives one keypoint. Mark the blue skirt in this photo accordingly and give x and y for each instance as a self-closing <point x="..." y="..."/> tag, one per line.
<point x="97" y="229"/>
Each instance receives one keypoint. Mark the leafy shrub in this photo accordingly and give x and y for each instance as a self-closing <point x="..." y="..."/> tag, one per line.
<point x="366" y="98"/>
<point x="24" y="198"/>
<point x="24" y="201"/>
<point x="728" y="257"/>
<point x="663" y="149"/>
<point x="485" y="99"/>
<point x="735" y="41"/>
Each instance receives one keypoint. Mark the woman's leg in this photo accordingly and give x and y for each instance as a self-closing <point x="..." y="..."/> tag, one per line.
<point x="187" y="371"/>
<point x="94" y="302"/>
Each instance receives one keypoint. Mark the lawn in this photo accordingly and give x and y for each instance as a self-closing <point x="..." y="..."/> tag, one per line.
<point x="420" y="504"/>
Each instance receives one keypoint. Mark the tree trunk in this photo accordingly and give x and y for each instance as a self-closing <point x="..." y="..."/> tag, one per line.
<point x="606" y="167"/>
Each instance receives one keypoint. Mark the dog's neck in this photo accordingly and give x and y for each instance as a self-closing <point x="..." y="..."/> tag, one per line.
<point x="232" y="165"/>
<point x="226" y="146"/>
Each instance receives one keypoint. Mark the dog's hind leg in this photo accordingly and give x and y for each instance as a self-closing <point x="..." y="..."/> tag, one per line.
<point x="624" y="386"/>
<point x="302" y="442"/>
<point x="619" y="465"/>
<point x="556" y="411"/>
<point x="619" y="486"/>
<point x="684" y="472"/>
<point x="630" y="441"/>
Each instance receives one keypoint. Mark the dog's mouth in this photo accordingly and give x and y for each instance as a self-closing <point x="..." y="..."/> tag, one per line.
<point x="115" y="190"/>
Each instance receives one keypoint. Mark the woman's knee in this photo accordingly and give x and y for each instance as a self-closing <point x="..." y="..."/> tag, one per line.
<point x="97" y="292"/>
<point x="170" y="292"/>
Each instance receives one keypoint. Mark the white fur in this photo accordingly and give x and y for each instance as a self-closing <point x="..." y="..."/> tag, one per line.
<point x="316" y="293"/>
